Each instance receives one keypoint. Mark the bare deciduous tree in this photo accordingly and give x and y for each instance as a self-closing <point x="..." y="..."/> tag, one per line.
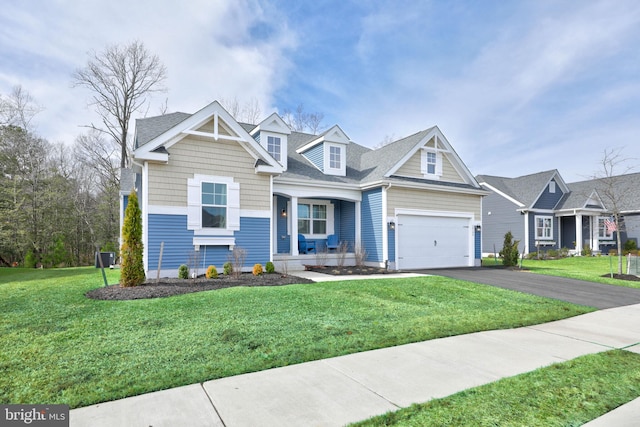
<point x="18" y="109"/>
<point x="614" y="190"/>
<point x="248" y="113"/>
<point x="301" y="121"/>
<point x="121" y="79"/>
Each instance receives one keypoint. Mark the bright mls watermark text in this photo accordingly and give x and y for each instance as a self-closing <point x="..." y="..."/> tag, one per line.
<point x="34" y="415"/>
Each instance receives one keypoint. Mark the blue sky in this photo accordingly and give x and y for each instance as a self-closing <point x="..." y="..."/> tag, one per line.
<point x="516" y="86"/>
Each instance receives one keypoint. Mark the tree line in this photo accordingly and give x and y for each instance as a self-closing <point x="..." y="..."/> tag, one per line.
<point x="57" y="201"/>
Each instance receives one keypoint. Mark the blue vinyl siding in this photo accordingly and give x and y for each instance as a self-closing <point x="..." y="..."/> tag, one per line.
<point x="178" y="243"/>
<point x="548" y="200"/>
<point x="532" y="233"/>
<point x="256" y="137"/>
<point x="478" y="244"/>
<point x="391" y="239"/>
<point x="347" y="225"/>
<point x="372" y="224"/>
<point x="283" y="246"/>
<point x="316" y="156"/>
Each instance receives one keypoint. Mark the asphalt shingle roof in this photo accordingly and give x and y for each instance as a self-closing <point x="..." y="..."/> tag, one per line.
<point x="524" y="189"/>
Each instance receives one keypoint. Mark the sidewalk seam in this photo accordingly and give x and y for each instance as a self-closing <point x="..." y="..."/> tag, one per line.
<point x="359" y="383"/>
<point x="212" y="404"/>
<point x="570" y="337"/>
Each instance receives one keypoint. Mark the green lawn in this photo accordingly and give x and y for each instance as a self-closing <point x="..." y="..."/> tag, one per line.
<point x="590" y="269"/>
<point x="565" y="394"/>
<point x="60" y="347"/>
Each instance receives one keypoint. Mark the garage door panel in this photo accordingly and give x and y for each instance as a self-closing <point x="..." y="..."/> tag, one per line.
<point x="432" y="242"/>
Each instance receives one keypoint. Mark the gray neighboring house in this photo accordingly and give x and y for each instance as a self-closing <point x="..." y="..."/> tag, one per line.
<point x="544" y="212"/>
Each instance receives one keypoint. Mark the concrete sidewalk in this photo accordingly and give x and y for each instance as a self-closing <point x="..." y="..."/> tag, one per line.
<point x="337" y="391"/>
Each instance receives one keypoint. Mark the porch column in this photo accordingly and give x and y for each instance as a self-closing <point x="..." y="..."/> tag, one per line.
<point x="593" y="225"/>
<point x="358" y="241"/>
<point x="578" y="234"/>
<point x="294" y="226"/>
<point x="526" y="232"/>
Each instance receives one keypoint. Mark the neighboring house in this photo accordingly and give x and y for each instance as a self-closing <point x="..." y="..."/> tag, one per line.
<point x="544" y="212"/>
<point x="208" y="184"/>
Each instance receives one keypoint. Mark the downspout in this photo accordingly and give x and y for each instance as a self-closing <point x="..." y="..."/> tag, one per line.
<point x="385" y="230"/>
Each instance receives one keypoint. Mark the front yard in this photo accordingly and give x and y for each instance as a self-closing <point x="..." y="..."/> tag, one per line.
<point x="591" y="269"/>
<point x="61" y="347"/>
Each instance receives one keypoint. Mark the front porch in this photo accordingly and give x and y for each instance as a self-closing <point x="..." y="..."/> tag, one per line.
<point x="586" y="234"/>
<point x="288" y="263"/>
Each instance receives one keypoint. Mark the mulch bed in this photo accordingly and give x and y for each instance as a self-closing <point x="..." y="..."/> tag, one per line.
<point x="623" y="277"/>
<point x="347" y="271"/>
<point x="170" y="287"/>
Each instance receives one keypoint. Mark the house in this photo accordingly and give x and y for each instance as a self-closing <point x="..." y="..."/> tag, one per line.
<point x="544" y="212"/>
<point x="208" y="184"/>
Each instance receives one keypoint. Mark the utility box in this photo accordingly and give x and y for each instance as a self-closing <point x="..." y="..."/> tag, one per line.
<point x="108" y="259"/>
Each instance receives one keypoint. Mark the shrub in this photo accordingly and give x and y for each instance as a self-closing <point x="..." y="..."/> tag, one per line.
<point x="270" y="268"/>
<point x="183" y="271"/>
<point x="613" y="252"/>
<point x="586" y="250"/>
<point x="212" y="272"/>
<point x="630" y="246"/>
<point x="30" y="260"/>
<point x="257" y="270"/>
<point x="552" y="253"/>
<point x="132" y="267"/>
<point x="227" y="268"/>
<point x="509" y="252"/>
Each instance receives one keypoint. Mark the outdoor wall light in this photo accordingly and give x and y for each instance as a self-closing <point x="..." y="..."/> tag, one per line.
<point x="284" y="212"/>
<point x="478" y="228"/>
<point x="392" y="225"/>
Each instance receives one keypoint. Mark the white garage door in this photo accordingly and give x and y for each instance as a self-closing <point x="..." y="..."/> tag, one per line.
<point x="432" y="242"/>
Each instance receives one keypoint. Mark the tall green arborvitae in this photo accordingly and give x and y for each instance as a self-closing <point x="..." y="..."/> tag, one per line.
<point x="132" y="268"/>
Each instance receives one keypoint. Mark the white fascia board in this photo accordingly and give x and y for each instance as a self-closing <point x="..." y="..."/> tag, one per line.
<point x="422" y="186"/>
<point x="317" y="191"/>
<point x="213" y="110"/>
<point x="500" y="193"/>
<point x="273" y="123"/>
<point x="153" y="157"/>
<point x="410" y="153"/>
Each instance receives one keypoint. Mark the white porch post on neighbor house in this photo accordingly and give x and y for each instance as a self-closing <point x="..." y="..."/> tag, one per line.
<point x="294" y="226"/>
<point x="593" y="233"/>
<point x="358" y="241"/>
<point x="579" y="234"/>
<point x="526" y="232"/>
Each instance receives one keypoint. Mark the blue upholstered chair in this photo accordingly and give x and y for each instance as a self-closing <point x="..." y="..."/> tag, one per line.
<point x="332" y="242"/>
<point x="305" y="246"/>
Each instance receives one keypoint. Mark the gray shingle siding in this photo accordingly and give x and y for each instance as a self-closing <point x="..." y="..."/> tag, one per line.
<point x="503" y="218"/>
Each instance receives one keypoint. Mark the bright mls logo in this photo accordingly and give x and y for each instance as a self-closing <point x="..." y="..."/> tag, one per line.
<point x="34" y="415"/>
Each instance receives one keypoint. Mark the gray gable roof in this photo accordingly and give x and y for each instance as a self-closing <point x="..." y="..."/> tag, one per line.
<point x="525" y="189"/>
<point x="151" y="127"/>
<point x="624" y="188"/>
<point x="362" y="164"/>
<point x="378" y="162"/>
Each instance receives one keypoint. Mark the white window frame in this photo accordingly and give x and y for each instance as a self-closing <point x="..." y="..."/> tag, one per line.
<point x="428" y="154"/>
<point x="214" y="205"/>
<point x="603" y="234"/>
<point x="330" y="220"/>
<point x="276" y="143"/>
<point x="194" y="205"/>
<point x="543" y="228"/>
<point x="335" y="157"/>
<point x="552" y="187"/>
<point x="342" y="152"/>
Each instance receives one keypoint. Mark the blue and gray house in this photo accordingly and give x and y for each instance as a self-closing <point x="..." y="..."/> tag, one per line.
<point x="208" y="184"/>
<point x="543" y="212"/>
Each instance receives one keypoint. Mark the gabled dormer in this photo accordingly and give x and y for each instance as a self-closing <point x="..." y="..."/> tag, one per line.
<point x="328" y="152"/>
<point x="272" y="134"/>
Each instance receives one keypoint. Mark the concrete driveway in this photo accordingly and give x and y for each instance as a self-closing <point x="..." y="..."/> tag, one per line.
<point x="575" y="291"/>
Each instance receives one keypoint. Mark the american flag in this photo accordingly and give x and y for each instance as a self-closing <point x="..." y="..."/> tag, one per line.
<point x="610" y="224"/>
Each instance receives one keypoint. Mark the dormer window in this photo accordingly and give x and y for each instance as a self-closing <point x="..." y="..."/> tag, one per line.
<point x="274" y="147"/>
<point x="431" y="163"/>
<point x="335" y="157"/>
